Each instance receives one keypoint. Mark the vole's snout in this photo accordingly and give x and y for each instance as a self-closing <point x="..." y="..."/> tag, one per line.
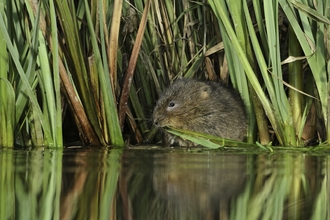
<point x="155" y="120"/>
<point x="158" y="120"/>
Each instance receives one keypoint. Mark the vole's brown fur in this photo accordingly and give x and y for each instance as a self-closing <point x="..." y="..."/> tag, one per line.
<point x="205" y="107"/>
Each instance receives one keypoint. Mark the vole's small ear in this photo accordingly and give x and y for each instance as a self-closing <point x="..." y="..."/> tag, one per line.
<point x="205" y="91"/>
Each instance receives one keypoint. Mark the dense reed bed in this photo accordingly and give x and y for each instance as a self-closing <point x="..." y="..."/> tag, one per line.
<point x="102" y="64"/>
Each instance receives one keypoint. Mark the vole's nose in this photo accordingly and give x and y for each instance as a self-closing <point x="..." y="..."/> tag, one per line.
<point x="156" y="121"/>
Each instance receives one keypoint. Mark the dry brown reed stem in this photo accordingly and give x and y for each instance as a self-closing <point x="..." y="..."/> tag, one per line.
<point x="113" y="43"/>
<point x="131" y="67"/>
<point x="89" y="136"/>
<point x="136" y="132"/>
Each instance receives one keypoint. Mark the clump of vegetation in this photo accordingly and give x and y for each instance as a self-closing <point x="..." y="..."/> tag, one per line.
<point x="102" y="64"/>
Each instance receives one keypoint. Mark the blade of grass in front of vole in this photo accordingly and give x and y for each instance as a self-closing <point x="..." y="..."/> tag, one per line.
<point x="217" y="142"/>
<point x="198" y="140"/>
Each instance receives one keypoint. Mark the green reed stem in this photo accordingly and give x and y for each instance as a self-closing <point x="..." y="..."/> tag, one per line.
<point x="106" y="89"/>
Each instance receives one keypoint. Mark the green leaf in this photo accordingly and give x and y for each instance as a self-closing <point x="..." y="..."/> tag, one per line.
<point x="312" y="13"/>
<point x="207" y="140"/>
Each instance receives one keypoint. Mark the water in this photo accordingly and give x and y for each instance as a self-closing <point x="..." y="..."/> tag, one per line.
<point x="103" y="183"/>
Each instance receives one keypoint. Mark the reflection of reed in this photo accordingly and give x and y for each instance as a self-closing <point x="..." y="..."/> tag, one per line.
<point x="29" y="184"/>
<point x="321" y="191"/>
<point x="162" y="185"/>
<point x="7" y="188"/>
<point x="138" y="202"/>
<point x="126" y="203"/>
<point x="78" y="175"/>
<point x="285" y="187"/>
<point x="206" y="186"/>
<point x="91" y="191"/>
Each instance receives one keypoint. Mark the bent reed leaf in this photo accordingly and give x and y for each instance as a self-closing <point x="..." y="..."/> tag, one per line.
<point x="207" y="140"/>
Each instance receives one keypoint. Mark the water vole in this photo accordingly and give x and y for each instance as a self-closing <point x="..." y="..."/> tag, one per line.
<point x="205" y="107"/>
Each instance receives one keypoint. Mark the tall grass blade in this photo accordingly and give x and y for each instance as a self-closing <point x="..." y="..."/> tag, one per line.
<point x="7" y="94"/>
<point x="57" y="126"/>
<point x="47" y="87"/>
<point x="25" y="82"/>
<point x="296" y="80"/>
<point x="280" y="103"/>
<point x="7" y="113"/>
<point x="113" y="42"/>
<point x="106" y="88"/>
<point x="131" y="66"/>
<point x="86" y="112"/>
<point x="238" y="77"/>
<point x="312" y="46"/>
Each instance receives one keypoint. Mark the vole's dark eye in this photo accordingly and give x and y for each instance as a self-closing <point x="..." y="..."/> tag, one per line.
<point x="171" y="104"/>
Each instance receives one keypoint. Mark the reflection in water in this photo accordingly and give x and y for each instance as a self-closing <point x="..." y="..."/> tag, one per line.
<point x="162" y="184"/>
<point x="90" y="184"/>
<point x="199" y="186"/>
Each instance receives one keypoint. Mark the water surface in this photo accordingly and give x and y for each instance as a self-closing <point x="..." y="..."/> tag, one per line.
<point x="158" y="183"/>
